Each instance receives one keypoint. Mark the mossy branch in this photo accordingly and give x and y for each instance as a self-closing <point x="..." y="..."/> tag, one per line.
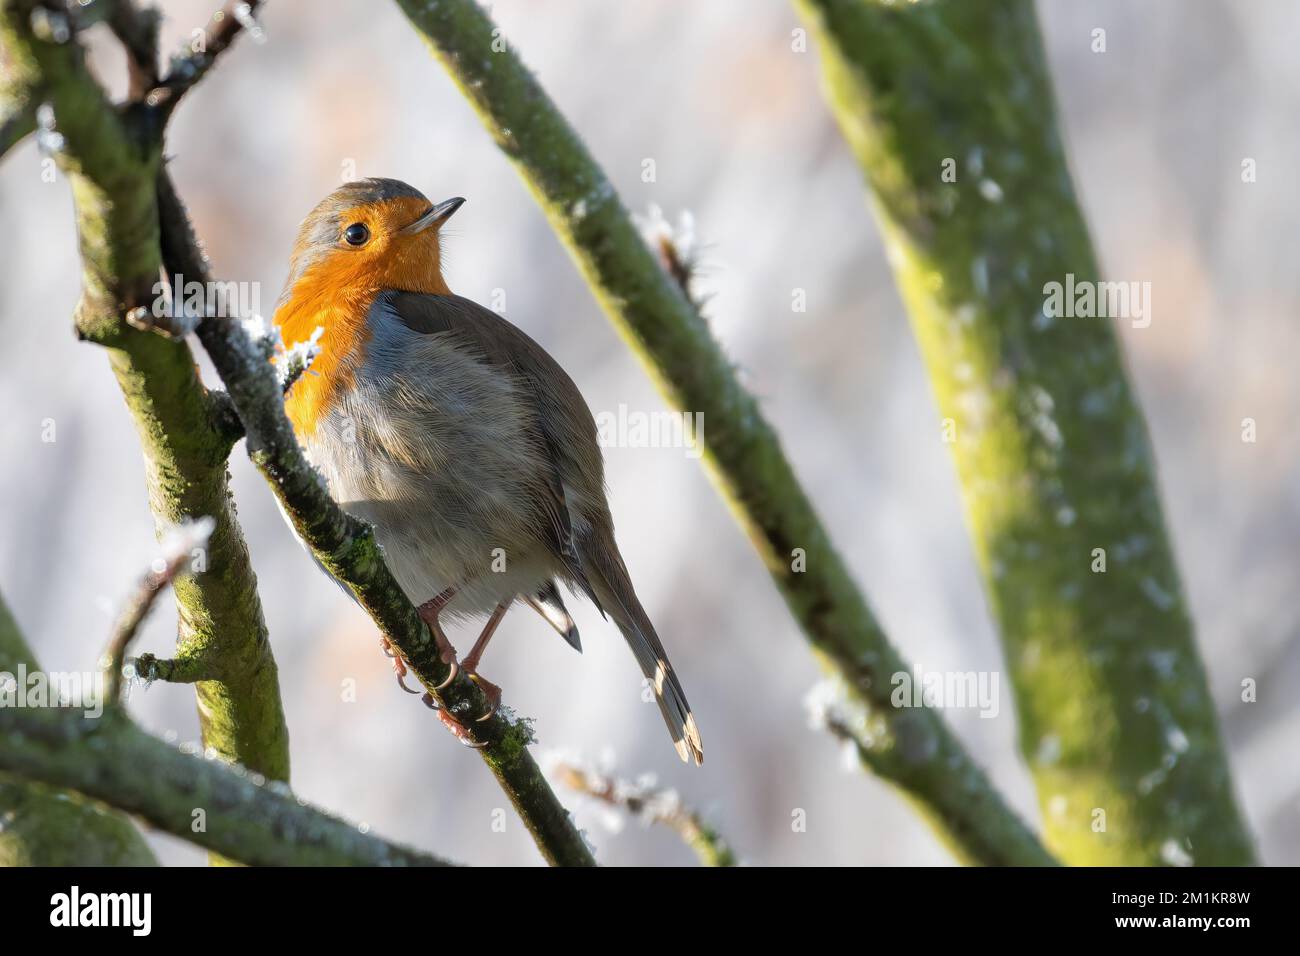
<point x="1057" y="473"/>
<point x="111" y="157"/>
<point x="913" y="749"/>
<point x="48" y="826"/>
<point x="228" y="809"/>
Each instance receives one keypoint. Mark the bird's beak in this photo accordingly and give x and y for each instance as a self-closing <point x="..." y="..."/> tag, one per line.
<point x="436" y="216"/>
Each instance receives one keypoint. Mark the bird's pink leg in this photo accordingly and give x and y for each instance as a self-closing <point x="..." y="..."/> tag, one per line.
<point x="470" y="664"/>
<point x="429" y="612"/>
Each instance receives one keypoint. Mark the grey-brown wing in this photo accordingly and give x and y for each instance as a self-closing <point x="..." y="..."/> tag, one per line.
<point x="562" y="425"/>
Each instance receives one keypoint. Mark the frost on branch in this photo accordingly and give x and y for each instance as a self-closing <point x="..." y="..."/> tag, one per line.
<point x="296" y="360"/>
<point x="640" y="799"/>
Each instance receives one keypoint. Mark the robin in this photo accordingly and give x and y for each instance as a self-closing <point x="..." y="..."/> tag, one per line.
<point x="455" y="435"/>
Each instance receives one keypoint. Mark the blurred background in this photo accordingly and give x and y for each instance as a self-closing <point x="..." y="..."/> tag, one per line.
<point x="1157" y="129"/>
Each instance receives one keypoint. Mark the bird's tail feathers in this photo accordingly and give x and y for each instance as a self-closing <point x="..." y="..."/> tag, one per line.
<point x="609" y="579"/>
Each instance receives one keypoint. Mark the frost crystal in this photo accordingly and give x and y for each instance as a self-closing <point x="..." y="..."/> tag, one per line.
<point x="298" y="358"/>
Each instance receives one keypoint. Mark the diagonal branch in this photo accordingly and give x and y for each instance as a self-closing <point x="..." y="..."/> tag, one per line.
<point x="234" y="17"/>
<point x="137" y="30"/>
<point x="912" y="748"/>
<point x="949" y="109"/>
<point x="228" y="810"/>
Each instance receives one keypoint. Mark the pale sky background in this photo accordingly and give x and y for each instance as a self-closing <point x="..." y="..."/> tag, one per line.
<point x="1157" y="128"/>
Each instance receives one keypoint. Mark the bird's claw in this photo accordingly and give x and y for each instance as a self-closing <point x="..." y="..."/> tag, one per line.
<point x="448" y="657"/>
<point x="449" y="721"/>
<point x="490" y="690"/>
<point x="401" y="682"/>
<point x="399" y="665"/>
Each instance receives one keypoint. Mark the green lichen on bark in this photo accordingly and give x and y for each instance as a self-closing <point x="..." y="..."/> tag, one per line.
<point x="48" y="826"/>
<point x="222" y="639"/>
<point x="227" y="809"/>
<point x="111" y="156"/>
<point x="919" y="753"/>
<point x="1050" y="445"/>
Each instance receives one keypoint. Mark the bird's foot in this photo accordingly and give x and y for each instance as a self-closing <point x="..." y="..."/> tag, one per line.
<point x="399" y="665"/>
<point x="429" y="612"/>
<point x="490" y="690"/>
<point x="458" y="730"/>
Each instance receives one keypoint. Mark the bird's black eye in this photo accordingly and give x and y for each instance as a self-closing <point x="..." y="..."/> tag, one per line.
<point x="356" y="234"/>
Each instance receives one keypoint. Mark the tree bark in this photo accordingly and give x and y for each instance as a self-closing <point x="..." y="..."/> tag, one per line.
<point x="46" y="826"/>
<point x="1057" y="474"/>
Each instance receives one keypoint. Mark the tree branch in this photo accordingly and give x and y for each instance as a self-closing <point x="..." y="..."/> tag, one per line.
<point x="234" y="17"/>
<point x="1116" y="721"/>
<point x="52" y="827"/>
<point x="643" y="801"/>
<point x="178" y="550"/>
<point x="111" y="157"/>
<point x="137" y="30"/>
<point x="912" y="748"/>
<point x="224" y="808"/>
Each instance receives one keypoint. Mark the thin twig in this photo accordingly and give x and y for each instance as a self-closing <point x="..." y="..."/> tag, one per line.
<point x="137" y="30"/>
<point x="177" y="551"/>
<point x="235" y="17"/>
<point x="644" y="801"/>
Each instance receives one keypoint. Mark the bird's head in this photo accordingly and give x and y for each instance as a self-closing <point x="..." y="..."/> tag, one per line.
<point x="368" y="235"/>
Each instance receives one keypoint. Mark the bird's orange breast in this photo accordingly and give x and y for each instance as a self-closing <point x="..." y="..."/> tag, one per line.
<point x="341" y="311"/>
<point x="336" y="293"/>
